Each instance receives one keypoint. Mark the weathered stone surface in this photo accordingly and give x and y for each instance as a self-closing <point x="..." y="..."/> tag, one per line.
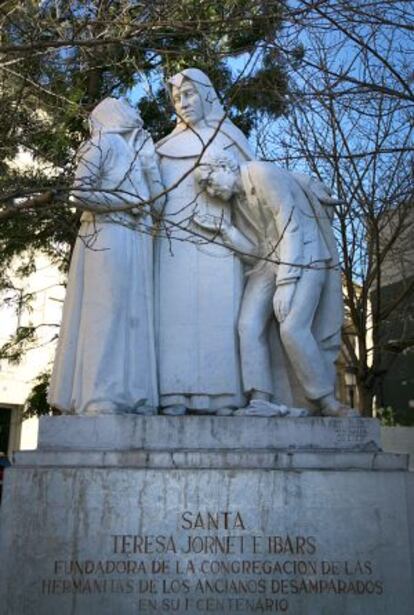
<point x="249" y="523"/>
<point x="207" y="432"/>
<point x="95" y="541"/>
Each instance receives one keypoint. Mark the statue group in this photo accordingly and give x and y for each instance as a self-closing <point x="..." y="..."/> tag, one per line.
<point x="202" y="280"/>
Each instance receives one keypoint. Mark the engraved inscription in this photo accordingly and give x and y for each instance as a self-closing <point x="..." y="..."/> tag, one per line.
<point x="214" y="563"/>
<point x="352" y="432"/>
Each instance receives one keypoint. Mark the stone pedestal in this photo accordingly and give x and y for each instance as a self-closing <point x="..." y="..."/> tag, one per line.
<point x="201" y="515"/>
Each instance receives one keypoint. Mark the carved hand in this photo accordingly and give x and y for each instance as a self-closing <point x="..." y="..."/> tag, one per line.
<point x="282" y="300"/>
<point x="212" y="223"/>
<point x="225" y="228"/>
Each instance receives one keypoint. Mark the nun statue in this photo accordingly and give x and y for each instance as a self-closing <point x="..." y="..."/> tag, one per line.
<point x="199" y="280"/>
<point x="105" y="361"/>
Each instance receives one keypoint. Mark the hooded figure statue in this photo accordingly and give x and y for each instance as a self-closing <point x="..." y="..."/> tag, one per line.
<point x="199" y="280"/>
<point x="105" y="359"/>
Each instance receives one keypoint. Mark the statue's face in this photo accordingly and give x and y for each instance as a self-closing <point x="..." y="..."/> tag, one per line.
<point x="187" y="103"/>
<point x="221" y="183"/>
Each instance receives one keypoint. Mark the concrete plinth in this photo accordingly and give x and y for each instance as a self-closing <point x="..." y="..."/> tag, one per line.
<point x="126" y="432"/>
<point x="199" y="515"/>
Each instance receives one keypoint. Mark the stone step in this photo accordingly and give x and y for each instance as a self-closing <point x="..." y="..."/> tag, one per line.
<point x="126" y="432"/>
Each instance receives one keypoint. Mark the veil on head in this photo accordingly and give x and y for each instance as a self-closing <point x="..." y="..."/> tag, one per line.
<point x="214" y="114"/>
<point x="213" y="109"/>
<point x="114" y="115"/>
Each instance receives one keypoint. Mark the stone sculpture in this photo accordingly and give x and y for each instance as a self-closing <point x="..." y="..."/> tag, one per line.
<point x="105" y="360"/>
<point x="247" y="303"/>
<point x="295" y="275"/>
<point x="200" y="283"/>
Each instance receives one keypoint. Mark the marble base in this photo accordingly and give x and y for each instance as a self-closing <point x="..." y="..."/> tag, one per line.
<point x="126" y="432"/>
<point x="240" y="527"/>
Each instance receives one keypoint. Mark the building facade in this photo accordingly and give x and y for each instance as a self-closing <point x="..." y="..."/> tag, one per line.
<point x="17" y="379"/>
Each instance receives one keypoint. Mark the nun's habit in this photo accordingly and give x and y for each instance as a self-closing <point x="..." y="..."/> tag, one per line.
<point x="105" y="359"/>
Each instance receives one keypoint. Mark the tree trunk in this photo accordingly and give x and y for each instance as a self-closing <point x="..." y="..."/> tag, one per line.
<point x="365" y="395"/>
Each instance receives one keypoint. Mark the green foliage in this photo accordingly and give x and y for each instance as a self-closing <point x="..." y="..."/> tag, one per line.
<point x="36" y="404"/>
<point x="263" y="91"/>
<point x="390" y="417"/>
<point x="386" y="416"/>
<point x="14" y="349"/>
<point x="156" y="113"/>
